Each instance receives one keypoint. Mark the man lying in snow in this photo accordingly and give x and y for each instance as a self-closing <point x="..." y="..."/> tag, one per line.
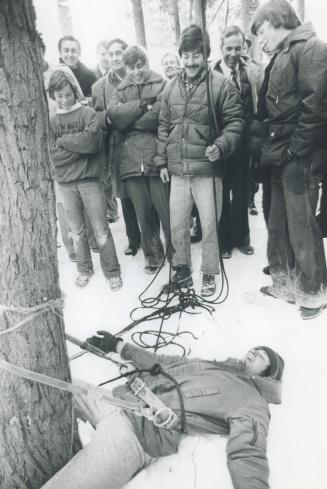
<point x="227" y="398"/>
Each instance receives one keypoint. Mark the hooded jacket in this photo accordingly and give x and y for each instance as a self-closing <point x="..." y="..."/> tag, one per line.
<point x="138" y="126"/>
<point x="219" y="398"/>
<point x="184" y="128"/>
<point x="296" y="99"/>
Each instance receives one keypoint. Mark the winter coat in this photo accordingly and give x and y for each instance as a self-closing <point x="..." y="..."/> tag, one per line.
<point x="219" y="398"/>
<point x="138" y="126"/>
<point x="85" y="78"/>
<point x="184" y="131"/>
<point x="296" y="99"/>
<point x="76" y="145"/>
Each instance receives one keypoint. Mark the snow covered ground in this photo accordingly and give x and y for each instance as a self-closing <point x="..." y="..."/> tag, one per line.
<point x="297" y="442"/>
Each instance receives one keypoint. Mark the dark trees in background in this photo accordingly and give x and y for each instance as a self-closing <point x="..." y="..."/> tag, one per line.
<point x="139" y="22"/>
<point x="35" y="420"/>
<point x="173" y="11"/>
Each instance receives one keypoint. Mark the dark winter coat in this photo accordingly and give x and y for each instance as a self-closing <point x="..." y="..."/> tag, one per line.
<point x="184" y="132"/>
<point x="85" y="78"/>
<point x="138" y="126"/>
<point x="220" y="398"/>
<point x="76" y="145"/>
<point x="296" y="99"/>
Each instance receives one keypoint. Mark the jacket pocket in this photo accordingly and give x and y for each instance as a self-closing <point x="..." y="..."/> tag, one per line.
<point x="201" y="391"/>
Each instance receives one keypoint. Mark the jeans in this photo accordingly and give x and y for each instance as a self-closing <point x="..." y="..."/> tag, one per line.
<point x="108" y="186"/>
<point x="138" y="189"/>
<point x="89" y="193"/>
<point x="295" y="247"/>
<point x="185" y="191"/>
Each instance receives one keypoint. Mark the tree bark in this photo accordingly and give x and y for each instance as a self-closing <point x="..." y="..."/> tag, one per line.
<point x="174" y="16"/>
<point x="139" y="22"/>
<point x="65" y="17"/>
<point x="35" y="421"/>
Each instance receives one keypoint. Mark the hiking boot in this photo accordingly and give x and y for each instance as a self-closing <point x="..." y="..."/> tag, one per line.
<point x="311" y="312"/>
<point x="151" y="269"/>
<point x="115" y="283"/>
<point x="181" y="278"/>
<point x="82" y="280"/>
<point x="246" y="250"/>
<point x="208" y="286"/>
<point x="226" y="254"/>
<point x="266" y="270"/>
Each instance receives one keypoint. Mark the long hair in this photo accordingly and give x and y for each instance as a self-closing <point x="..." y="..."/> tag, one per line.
<point x="279" y="13"/>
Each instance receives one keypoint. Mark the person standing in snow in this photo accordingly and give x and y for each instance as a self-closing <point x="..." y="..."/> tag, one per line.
<point x="296" y="112"/>
<point x="77" y="154"/>
<point x="226" y="398"/>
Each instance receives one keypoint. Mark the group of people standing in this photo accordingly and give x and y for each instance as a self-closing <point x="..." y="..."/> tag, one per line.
<point x="180" y="144"/>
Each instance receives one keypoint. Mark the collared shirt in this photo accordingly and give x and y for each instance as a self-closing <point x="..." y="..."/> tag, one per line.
<point x="227" y="71"/>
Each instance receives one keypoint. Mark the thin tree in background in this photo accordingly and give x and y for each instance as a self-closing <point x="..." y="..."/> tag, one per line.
<point x="301" y="9"/>
<point x="174" y="16"/>
<point x="139" y="22"/>
<point x="248" y="8"/>
<point x="65" y="17"/>
<point x="197" y="12"/>
<point x="226" y="14"/>
<point x="35" y="420"/>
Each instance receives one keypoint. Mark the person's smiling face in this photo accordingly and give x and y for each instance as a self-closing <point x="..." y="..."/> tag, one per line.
<point x="70" y="53"/>
<point x="138" y="71"/>
<point x="193" y="63"/>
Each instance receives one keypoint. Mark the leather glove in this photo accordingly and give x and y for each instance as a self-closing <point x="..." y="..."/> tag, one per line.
<point x="106" y="342"/>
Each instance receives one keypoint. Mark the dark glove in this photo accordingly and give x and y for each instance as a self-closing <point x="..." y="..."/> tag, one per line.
<point x="106" y="342"/>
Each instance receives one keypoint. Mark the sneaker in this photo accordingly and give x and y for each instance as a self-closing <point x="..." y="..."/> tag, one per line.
<point x="246" y="250"/>
<point x="208" y="286"/>
<point x="226" y="254"/>
<point x="82" y="280"/>
<point x="311" y="312"/>
<point x="181" y="278"/>
<point x="115" y="283"/>
<point x="151" y="269"/>
<point x="268" y="290"/>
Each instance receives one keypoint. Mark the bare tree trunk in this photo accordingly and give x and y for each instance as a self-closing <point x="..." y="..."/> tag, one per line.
<point x="226" y="14"/>
<point x="65" y="17"/>
<point x="190" y="11"/>
<point x="197" y="12"/>
<point x="301" y="9"/>
<point x="139" y="22"/>
<point x="248" y="7"/>
<point x="35" y="421"/>
<point x="174" y="16"/>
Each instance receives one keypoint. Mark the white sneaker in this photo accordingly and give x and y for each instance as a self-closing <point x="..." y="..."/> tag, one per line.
<point x="115" y="283"/>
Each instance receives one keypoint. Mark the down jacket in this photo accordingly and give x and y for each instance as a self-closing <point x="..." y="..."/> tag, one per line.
<point x="138" y="126"/>
<point x="184" y="131"/>
<point x="296" y="99"/>
<point x="219" y="398"/>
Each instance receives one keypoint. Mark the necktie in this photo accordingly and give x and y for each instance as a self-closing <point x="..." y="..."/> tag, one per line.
<point x="234" y="78"/>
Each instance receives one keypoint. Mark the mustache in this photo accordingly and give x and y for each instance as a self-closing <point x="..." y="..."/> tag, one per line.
<point x="192" y="66"/>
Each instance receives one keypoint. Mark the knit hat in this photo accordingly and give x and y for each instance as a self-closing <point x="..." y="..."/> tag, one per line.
<point x="275" y="371"/>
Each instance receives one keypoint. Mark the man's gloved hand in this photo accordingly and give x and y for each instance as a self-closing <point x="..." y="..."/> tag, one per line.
<point x="147" y="103"/>
<point x="106" y="342"/>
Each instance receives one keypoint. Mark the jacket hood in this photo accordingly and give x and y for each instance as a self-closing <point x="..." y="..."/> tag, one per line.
<point x="301" y="33"/>
<point x="152" y="77"/>
<point x="270" y="389"/>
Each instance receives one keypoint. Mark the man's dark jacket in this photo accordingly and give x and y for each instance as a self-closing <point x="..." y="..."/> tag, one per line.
<point x="184" y="127"/>
<point x="296" y="99"/>
<point x="219" y="398"/>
